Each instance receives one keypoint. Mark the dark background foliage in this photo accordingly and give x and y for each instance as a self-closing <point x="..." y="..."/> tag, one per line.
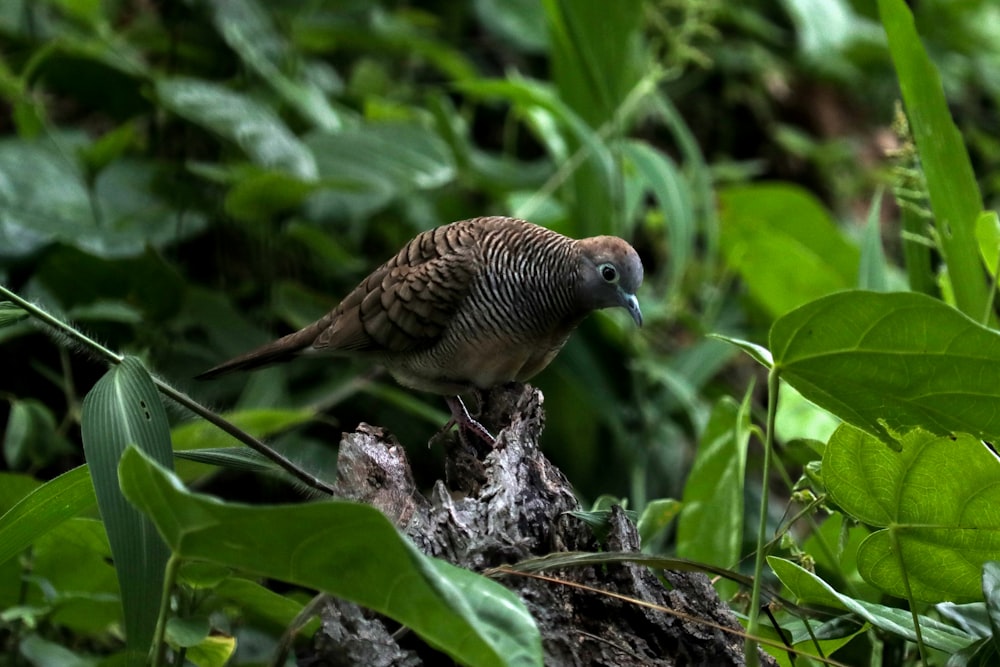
<point x="185" y="180"/>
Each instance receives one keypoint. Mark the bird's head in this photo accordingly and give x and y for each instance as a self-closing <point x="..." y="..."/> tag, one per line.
<point x="610" y="275"/>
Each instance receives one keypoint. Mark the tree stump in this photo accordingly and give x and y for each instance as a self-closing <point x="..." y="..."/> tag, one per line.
<point x="502" y="505"/>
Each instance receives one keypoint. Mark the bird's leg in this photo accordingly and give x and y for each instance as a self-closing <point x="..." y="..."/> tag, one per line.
<point x="465" y="421"/>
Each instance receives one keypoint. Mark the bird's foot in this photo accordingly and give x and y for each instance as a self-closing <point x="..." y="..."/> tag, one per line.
<point x="466" y="423"/>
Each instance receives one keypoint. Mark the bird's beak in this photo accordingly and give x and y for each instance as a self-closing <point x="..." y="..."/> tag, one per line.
<point x="632" y="306"/>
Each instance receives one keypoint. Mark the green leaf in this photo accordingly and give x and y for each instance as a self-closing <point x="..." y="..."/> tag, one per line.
<point x="988" y="238"/>
<point x="258" y="602"/>
<point x="234" y="458"/>
<point x="213" y="651"/>
<point x="261" y="196"/>
<point x="661" y="176"/>
<point x="936" y="501"/>
<point x="200" y="435"/>
<point x="398" y="158"/>
<point x="11" y="313"/>
<point x="784" y="245"/>
<point x="252" y="126"/>
<point x="820" y="640"/>
<point x="655" y="517"/>
<point x="874" y="271"/>
<point x="109" y="147"/>
<point x="710" y="527"/>
<point x="797" y="418"/>
<point x="43" y="509"/>
<point x="188" y="631"/>
<point x="991" y="593"/>
<point x="31" y="440"/>
<point x="951" y="182"/>
<point x="888" y="363"/>
<point x="758" y="353"/>
<point x="810" y="589"/>
<point x="596" y="60"/>
<point x="249" y="30"/>
<point x="517" y="22"/>
<point x="73" y="561"/>
<point x="44" y="653"/>
<point x="124" y="409"/>
<point x="46" y="199"/>
<point x="346" y="549"/>
<point x="555" y="124"/>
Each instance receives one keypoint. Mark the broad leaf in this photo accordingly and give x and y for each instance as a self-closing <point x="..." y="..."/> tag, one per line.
<point x="810" y="589"/>
<point x="251" y="32"/>
<point x="249" y="124"/>
<point x="349" y="550"/>
<point x="124" y="409"/>
<point x="398" y="158"/>
<point x="936" y="502"/>
<point x="785" y="245"/>
<point x="710" y="527"/>
<point x="888" y="363"/>
<point x="45" y="199"/>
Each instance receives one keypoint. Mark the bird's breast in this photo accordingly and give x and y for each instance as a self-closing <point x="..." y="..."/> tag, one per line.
<point x="481" y="364"/>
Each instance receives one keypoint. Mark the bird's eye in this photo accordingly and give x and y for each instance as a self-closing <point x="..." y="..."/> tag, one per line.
<point x="608" y="272"/>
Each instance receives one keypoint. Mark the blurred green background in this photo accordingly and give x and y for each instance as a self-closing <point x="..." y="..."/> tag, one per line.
<point x="185" y="180"/>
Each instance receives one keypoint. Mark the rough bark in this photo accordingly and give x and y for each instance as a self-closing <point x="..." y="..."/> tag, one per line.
<point x="502" y="505"/>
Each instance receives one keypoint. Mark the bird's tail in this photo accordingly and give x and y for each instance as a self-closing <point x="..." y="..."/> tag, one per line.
<point x="283" y="349"/>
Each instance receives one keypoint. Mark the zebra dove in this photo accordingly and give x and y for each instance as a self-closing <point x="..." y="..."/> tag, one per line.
<point x="468" y="306"/>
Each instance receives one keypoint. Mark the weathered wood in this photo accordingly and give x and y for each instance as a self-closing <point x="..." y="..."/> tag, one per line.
<point x="506" y="504"/>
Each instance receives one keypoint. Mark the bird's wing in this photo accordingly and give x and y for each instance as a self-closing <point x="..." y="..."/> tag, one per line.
<point x="406" y="304"/>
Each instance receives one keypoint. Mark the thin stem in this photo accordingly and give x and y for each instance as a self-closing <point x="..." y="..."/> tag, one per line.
<point x="750" y="645"/>
<point x="898" y="550"/>
<point x="253" y="443"/>
<point x="62" y="327"/>
<point x="159" y="647"/>
<point x="988" y="312"/>
<point x="176" y="395"/>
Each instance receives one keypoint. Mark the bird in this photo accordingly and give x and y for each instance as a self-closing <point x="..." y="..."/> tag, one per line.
<point x="468" y="306"/>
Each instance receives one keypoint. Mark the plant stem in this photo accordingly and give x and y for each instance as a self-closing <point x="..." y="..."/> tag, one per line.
<point x="750" y="645"/>
<point x="176" y="395"/>
<point x="159" y="646"/>
<point x="897" y="549"/>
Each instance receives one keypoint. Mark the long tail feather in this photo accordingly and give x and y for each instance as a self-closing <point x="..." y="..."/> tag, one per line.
<point x="283" y="349"/>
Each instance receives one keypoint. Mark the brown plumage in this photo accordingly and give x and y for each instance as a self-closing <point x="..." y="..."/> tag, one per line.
<point x="468" y="306"/>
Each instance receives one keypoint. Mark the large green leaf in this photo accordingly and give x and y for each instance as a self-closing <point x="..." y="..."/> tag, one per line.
<point x="365" y="168"/>
<point x="784" y="245"/>
<point x="888" y="363"/>
<point x="124" y="409"/>
<point x="937" y="502"/>
<point x="810" y="589"/>
<point x="44" y="198"/>
<point x="710" y="527"/>
<point x="249" y="30"/>
<point x="349" y="550"/>
<point x="951" y="182"/>
<point x="73" y="559"/>
<point x="238" y="118"/>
